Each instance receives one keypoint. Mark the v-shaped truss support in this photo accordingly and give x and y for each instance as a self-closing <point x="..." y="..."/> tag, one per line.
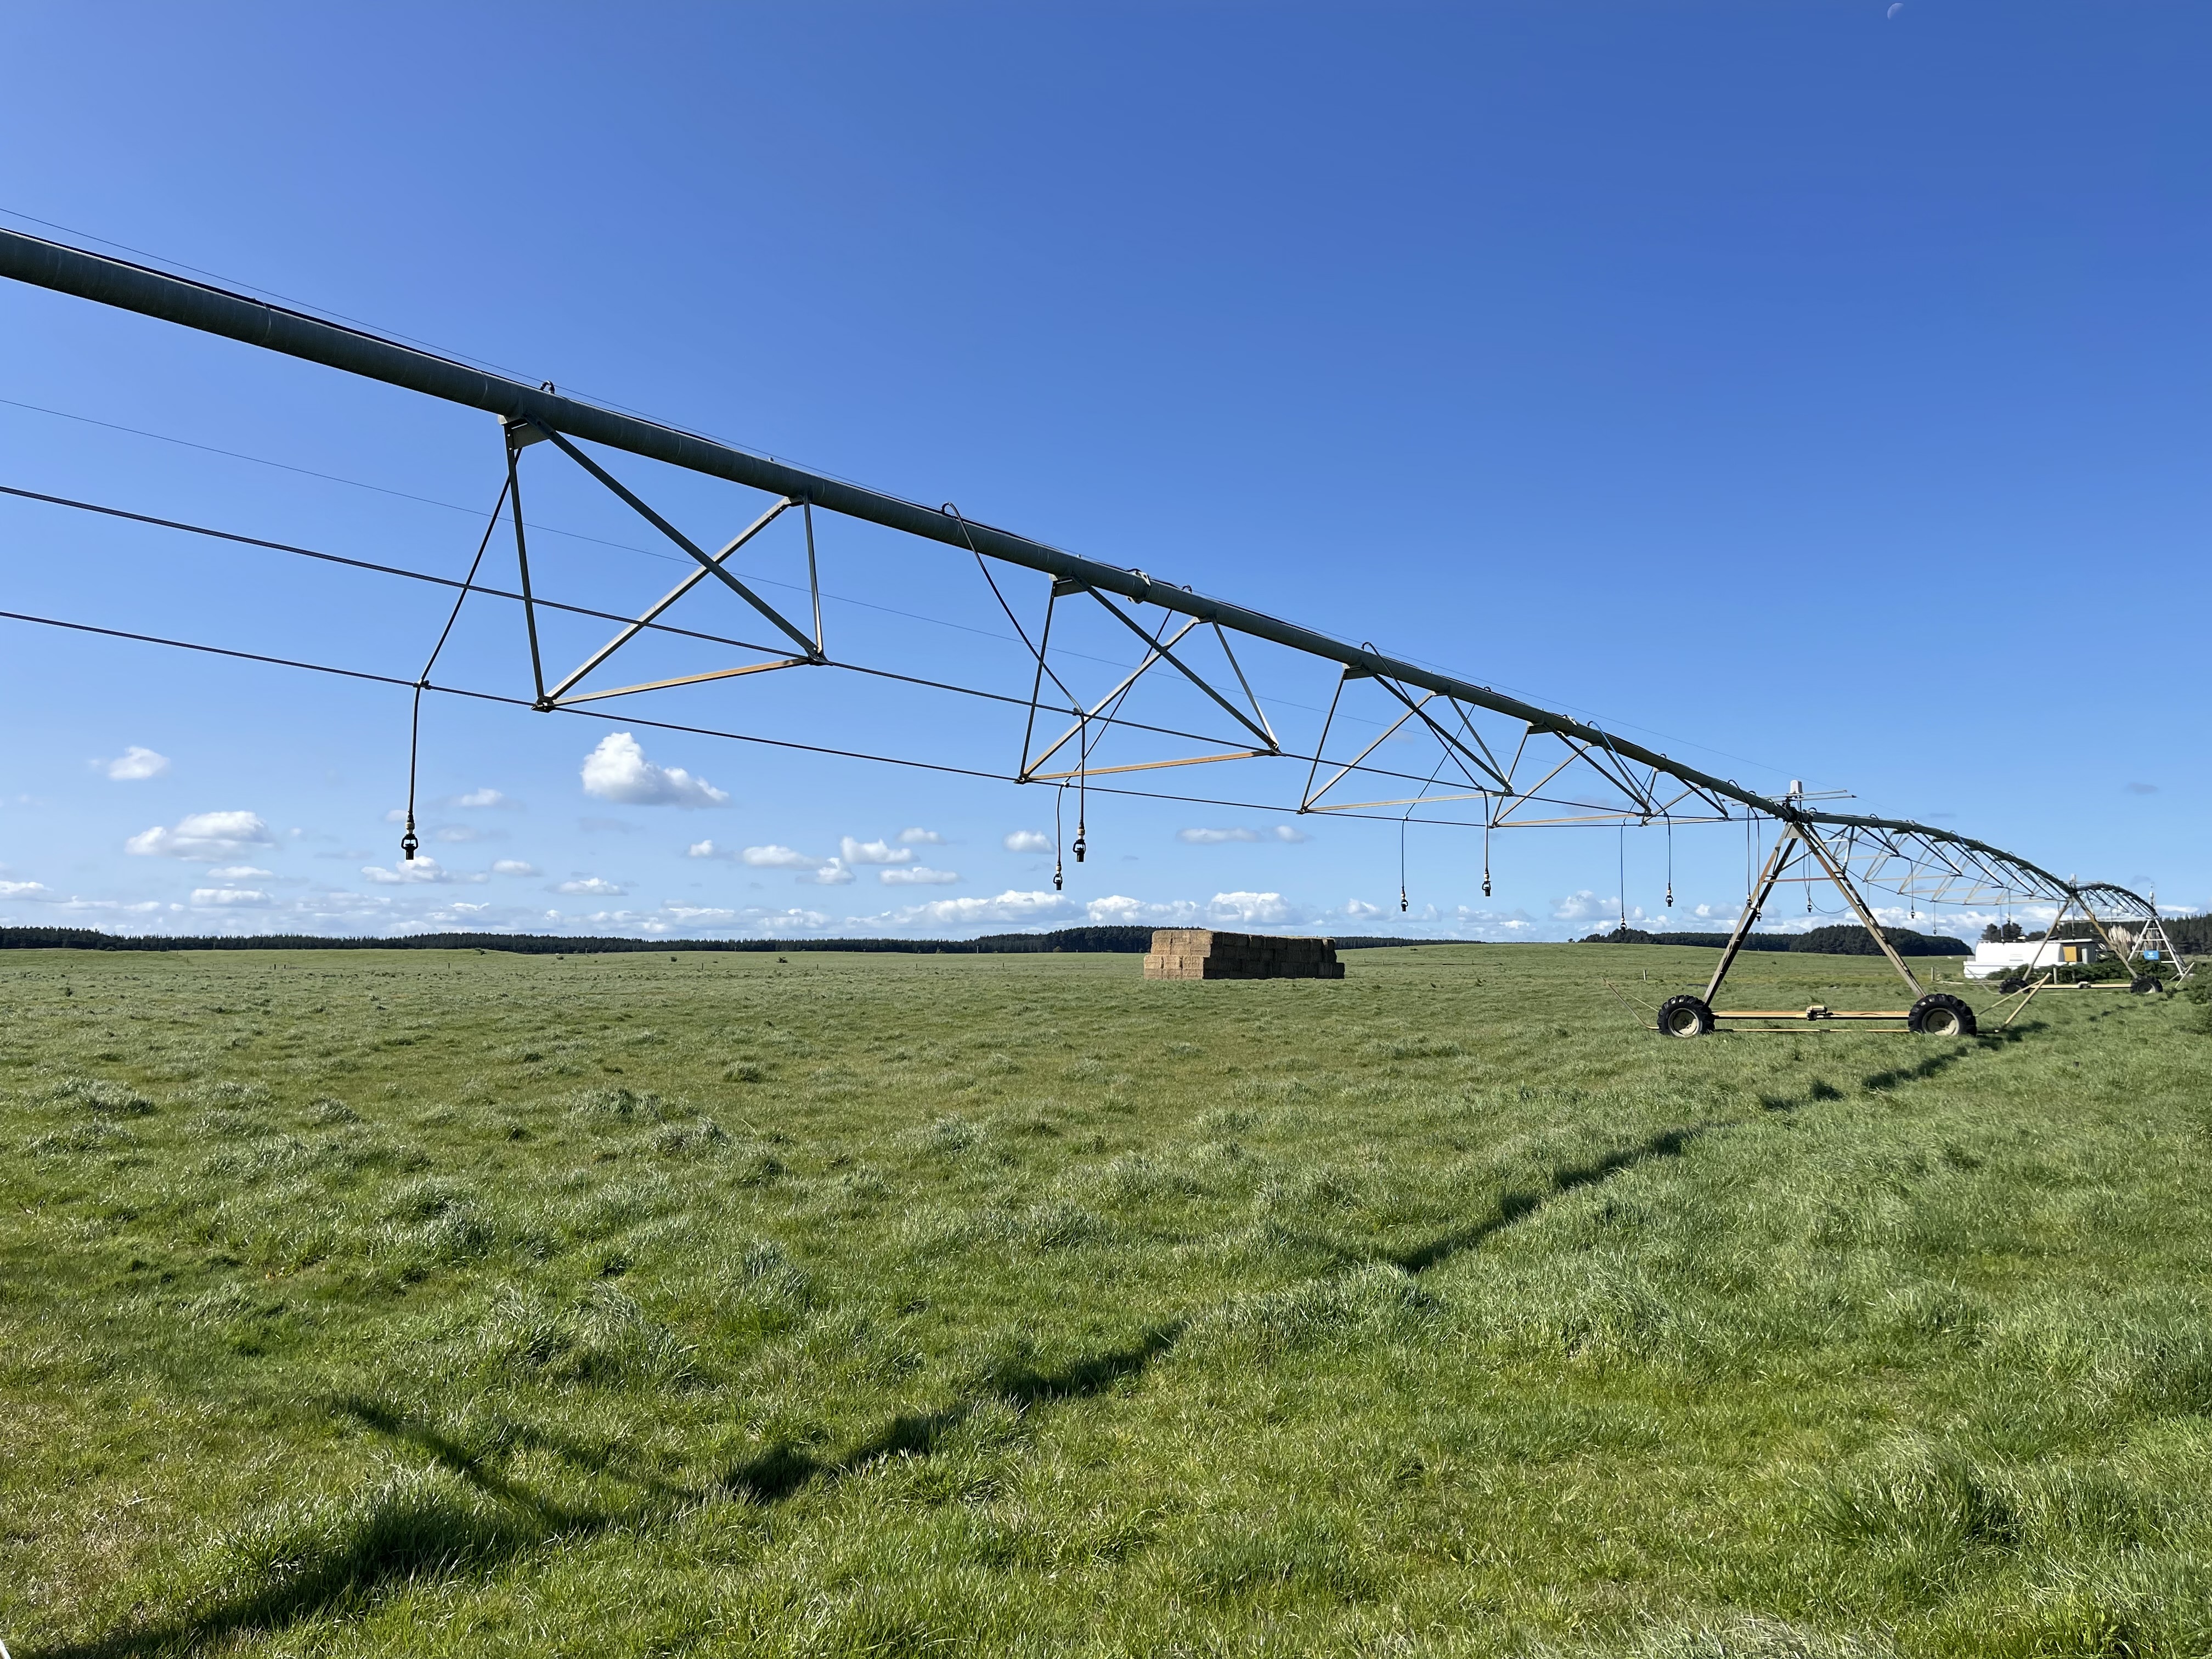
<point x="523" y="432"/>
<point x="1092" y="720"/>
<point x="1634" y="792"/>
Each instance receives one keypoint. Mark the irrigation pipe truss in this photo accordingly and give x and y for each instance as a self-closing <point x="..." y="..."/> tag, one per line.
<point x="1502" y="756"/>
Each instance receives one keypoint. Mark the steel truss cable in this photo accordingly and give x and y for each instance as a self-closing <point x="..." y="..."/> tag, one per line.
<point x="405" y="684"/>
<point x="1109" y="717"/>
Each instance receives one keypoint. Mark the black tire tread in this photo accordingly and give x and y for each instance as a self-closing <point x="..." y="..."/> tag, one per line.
<point x="1915" y="1019"/>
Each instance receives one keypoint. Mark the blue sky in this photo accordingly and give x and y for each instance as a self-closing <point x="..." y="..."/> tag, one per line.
<point x="1805" y="390"/>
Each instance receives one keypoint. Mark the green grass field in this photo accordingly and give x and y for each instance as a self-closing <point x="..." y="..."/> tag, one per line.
<point x="427" y="1303"/>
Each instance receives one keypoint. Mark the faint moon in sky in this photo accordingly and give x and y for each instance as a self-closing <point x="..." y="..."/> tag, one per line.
<point x="1896" y="9"/>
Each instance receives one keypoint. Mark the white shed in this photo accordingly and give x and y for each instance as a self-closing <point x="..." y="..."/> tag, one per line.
<point x="1996" y="961"/>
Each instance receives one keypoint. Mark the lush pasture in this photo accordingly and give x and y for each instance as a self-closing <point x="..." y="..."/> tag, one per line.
<point x="420" y="1303"/>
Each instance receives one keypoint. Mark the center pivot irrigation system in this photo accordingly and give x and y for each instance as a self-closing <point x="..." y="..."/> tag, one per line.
<point x="1500" y="764"/>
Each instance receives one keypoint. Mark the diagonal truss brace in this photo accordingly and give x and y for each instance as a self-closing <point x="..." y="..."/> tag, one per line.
<point x="810" y="650"/>
<point x="1158" y="649"/>
<point x="559" y="693"/>
<point x="1493" y="782"/>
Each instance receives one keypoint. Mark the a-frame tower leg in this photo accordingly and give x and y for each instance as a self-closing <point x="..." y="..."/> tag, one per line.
<point x="1777" y="861"/>
<point x="1800" y="838"/>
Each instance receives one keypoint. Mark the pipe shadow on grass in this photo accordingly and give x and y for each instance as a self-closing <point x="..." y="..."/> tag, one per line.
<point x="783" y="1470"/>
<point x="1517" y="1206"/>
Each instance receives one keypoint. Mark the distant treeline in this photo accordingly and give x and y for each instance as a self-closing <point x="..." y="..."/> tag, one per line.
<point x="2191" y="934"/>
<point x="1077" y="940"/>
<point x="1846" y="940"/>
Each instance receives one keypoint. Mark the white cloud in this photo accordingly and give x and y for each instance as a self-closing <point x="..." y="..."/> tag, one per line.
<point x="1028" y="841"/>
<point x="484" y="798"/>
<point x="1252" y="909"/>
<point x="593" y="885"/>
<point x="917" y="875"/>
<point x="822" y="872"/>
<point x="134" y="763"/>
<point x="416" y="872"/>
<point x="618" y="771"/>
<point x="202" y="835"/>
<point x="29" y="890"/>
<point x="701" y="915"/>
<point x="1717" y="912"/>
<point x="1223" y="909"/>
<point x="921" y="838"/>
<point x="1282" y="832"/>
<point x="1120" y="910"/>
<point x="770" y="857"/>
<point x="143" y="907"/>
<point x="512" y="867"/>
<point x="802" y="920"/>
<point x="1009" y="906"/>
<point x="770" y="921"/>
<point x="237" y="873"/>
<point x="671" y="918"/>
<point x="874" y="851"/>
<point x="1360" y="910"/>
<point x="1586" y="906"/>
<point x="230" y="898"/>
<point x="1510" y="924"/>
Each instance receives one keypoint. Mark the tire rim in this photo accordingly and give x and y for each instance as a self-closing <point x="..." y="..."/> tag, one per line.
<point x="1940" y="1022"/>
<point x="1683" y="1022"/>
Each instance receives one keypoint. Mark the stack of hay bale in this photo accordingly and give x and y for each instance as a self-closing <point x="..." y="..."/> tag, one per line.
<point x="1201" y="953"/>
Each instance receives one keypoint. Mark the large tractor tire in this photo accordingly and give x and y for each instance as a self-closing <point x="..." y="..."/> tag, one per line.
<point x="1940" y="1014"/>
<point x="1685" y="1017"/>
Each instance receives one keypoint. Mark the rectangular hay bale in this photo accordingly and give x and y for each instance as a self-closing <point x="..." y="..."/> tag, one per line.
<point x="1208" y="953"/>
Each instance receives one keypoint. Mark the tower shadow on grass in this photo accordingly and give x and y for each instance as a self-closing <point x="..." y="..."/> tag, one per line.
<point x="1937" y="1064"/>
